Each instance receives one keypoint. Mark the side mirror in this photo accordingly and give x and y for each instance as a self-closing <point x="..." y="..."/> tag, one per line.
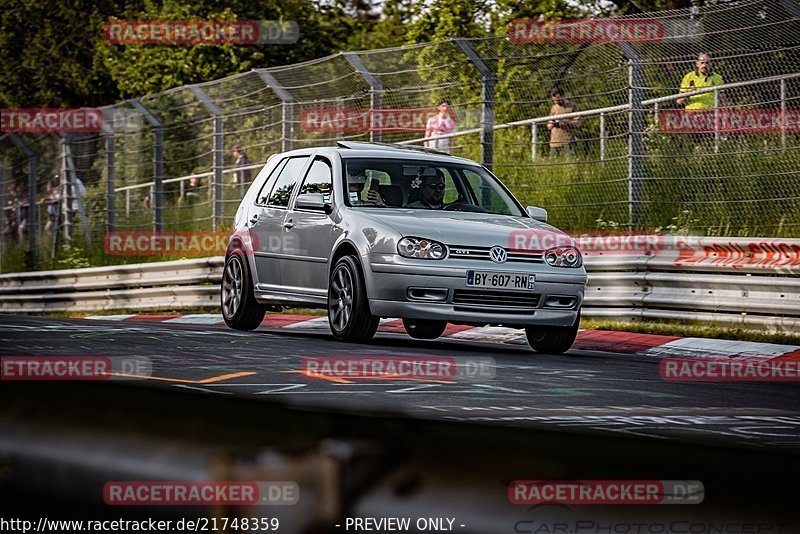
<point x="539" y="214"/>
<point x="313" y="201"/>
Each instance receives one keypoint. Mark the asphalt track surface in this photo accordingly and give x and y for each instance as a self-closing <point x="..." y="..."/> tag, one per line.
<point x="582" y="391"/>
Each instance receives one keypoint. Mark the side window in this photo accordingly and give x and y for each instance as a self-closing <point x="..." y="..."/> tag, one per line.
<point x="486" y="194"/>
<point x="282" y="190"/>
<point x="261" y="198"/>
<point x="450" y="190"/>
<point x="319" y="179"/>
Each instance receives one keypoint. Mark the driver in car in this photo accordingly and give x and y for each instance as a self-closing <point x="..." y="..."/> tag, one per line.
<point x="432" y="188"/>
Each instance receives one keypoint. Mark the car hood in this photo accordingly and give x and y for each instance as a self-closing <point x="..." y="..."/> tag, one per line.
<point x="464" y="228"/>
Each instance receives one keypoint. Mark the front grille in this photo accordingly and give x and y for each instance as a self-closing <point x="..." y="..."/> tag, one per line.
<point x="463" y="252"/>
<point x="501" y="300"/>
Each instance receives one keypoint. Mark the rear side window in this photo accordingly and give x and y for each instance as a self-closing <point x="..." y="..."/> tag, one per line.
<point x="319" y="179"/>
<point x="262" y="196"/>
<point x="282" y="190"/>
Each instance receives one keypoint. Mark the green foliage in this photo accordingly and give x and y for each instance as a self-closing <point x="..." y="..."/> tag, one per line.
<point x="143" y="69"/>
<point x="49" y="53"/>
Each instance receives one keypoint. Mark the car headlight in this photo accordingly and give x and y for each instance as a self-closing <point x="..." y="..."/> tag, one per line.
<point x="563" y="257"/>
<point x="417" y="247"/>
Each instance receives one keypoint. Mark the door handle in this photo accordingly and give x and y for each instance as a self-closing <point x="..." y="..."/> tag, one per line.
<point x="288" y="225"/>
<point x="254" y="219"/>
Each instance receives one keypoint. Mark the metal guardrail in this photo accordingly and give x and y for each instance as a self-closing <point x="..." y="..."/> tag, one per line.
<point x="735" y="282"/>
<point x="143" y="286"/>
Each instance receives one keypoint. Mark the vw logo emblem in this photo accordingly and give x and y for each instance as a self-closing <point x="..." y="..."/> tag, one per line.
<point x="498" y="254"/>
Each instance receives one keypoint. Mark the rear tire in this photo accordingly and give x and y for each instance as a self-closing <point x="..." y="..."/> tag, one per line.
<point x="553" y="339"/>
<point x="424" y="329"/>
<point x="240" y="309"/>
<point x="348" y="306"/>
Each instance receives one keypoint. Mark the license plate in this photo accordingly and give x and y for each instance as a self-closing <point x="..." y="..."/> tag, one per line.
<point x="497" y="280"/>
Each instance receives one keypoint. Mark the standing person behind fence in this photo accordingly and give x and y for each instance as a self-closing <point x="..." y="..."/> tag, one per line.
<point x="700" y="78"/>
<point x="240" y="176"/>
<point x="51" y="201"/>
<point x="23" y="209"/>
<point x="442" y="123"/>
<point x="563" y="132"/>
<point x="10" y="214"/>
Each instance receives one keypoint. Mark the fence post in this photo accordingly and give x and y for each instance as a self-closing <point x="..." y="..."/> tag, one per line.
<point x="287" y="119"/>
<point x="2" y="205"/>
<point x="602" y="136"/>
<point x="716" y="122"/>
<point x="67" y="195"/>
<point x="111" y="176"/>
<point x="158" y="165"/>
<point x="487" y="100"/>
<point x="219" y="152"/>
<point x="534" y="140"/>
<point x="783" y="113"/>
<point x="636" y="121"/>
<point x="33" y="157"/>
<point x="375" y="89"/>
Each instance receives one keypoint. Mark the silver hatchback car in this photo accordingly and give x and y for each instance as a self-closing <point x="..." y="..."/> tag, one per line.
<point x="371" y="231"/>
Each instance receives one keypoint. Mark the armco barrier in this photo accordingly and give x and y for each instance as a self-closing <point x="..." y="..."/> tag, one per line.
<point x="143" y="286"/>
<point x="735" y="282"/>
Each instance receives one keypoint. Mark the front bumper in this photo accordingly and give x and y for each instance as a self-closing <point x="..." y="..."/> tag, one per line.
<point x="394" y="285"/>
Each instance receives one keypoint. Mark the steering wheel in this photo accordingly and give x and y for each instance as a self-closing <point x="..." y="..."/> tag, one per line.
<point x="460" y="205"/>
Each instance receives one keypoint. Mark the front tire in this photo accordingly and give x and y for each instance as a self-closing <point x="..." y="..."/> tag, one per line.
<point x="240" y="309"/>
<point x="553" y="339"/>
<point x="348" y="307"/>
<point x="422" y="329"/>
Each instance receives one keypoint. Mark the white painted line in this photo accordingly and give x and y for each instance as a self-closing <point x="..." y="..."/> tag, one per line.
<point x="110" y="317"/>
<point x="491" y="333"/>
<point x="706" y="348"/>
<point x="197" y="318"/>
<point x="317" y="323"/>
<point x="281" y="389"/>
<point x="204" y="390"/>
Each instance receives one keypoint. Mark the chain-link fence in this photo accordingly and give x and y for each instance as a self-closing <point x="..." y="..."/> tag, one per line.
<point x="626" y="150"/>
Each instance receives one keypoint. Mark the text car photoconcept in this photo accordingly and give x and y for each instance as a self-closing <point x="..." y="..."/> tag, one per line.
<point x="373" y="231"/>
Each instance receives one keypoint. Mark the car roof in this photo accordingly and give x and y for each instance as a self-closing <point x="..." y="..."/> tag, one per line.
<point x="352" y="149"/>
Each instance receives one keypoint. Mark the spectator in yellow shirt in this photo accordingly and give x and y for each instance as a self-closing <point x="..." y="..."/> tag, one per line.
<point x="700" y="78"/>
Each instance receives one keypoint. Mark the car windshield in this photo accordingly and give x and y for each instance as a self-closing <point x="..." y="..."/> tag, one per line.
<point x="414" y="184"/>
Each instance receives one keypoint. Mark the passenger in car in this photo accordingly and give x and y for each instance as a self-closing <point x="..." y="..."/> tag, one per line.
<point x="355" y="185"/>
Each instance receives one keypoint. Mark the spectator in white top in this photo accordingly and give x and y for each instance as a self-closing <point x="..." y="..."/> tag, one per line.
<point x="441" y="124"/>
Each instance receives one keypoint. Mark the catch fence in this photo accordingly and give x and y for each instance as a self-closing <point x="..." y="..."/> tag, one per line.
<point x="639" y="161"/>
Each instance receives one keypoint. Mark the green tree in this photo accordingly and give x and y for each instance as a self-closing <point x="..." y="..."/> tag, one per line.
<point x="48" y="53"/>
<point x="143" y="69"/>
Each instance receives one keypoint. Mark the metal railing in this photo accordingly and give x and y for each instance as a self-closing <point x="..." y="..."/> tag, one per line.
<point x="621" y="169"/>
<point x="535" y="122"/>
<point x="735" y="282"/>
